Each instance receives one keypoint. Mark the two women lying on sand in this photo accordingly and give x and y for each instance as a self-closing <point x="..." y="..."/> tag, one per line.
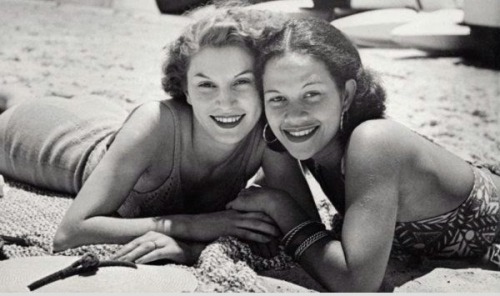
<point x="171" y="176"/>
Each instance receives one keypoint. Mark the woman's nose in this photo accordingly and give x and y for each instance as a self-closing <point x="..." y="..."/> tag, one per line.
<point x="295" y="114"/>
<point x="226" y="98"/>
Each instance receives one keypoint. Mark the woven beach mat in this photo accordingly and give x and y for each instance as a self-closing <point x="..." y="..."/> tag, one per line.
<point x="31" y="215"/>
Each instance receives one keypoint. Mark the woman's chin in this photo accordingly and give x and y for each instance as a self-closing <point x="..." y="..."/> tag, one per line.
<point x="300" y="154"/>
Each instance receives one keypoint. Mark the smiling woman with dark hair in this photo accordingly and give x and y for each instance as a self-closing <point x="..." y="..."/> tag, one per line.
<point x="396" y="192"/>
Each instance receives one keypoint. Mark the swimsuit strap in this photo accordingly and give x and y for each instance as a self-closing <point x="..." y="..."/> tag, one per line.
<point x="165" y="198"/>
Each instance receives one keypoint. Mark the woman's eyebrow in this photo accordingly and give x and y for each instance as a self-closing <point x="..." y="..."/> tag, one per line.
<point x="244" y="72"/>
<point x="201" y="75"/>
<point x="271" y="91"/>
<point x="239" y="74"/>
<point x="311" y="83"/>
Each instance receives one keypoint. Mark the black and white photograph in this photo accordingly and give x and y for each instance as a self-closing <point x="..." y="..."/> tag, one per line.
<point x="263" y="146"/>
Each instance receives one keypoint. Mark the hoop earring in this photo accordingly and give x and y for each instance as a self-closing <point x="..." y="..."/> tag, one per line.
<point x="264" y="131"/>
<point x="342" y="121"/>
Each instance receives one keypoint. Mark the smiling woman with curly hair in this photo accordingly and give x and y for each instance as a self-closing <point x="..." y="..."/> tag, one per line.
<point x="159" y="178"/>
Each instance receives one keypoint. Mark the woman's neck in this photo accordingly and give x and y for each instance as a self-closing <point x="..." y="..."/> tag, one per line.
<point x="331" y="155"/>
<point x="208" y="151"/>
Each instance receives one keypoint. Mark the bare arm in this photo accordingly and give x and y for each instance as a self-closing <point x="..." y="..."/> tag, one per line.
<point x="283" y="172"/>
<point x="358" y="262"/>
<point x="89" y="219"/>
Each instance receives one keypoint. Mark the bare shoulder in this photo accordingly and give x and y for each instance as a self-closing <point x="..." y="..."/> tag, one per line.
<point x="146" y="128"/>
<point x="151" y="118"/>
<point x="381" y="142"/>
<point x="383" y="134"/>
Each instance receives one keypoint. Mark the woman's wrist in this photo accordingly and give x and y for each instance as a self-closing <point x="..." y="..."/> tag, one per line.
<point x="302" y="237"/>
<point x="176" y="226"/>
<point x="286" y="212"/>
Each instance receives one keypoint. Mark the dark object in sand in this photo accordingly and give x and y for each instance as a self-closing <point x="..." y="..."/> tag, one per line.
<point x="331" y="4"/>
<point x="486" y="46"/>
<point x="11" y="240"/>
<point x="89" y="263"/>
<point x="178" y="6"/>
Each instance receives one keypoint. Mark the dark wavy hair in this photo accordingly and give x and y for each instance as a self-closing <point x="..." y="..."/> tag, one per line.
<point x="324" y="42"/>
<point x="233" y="26"/>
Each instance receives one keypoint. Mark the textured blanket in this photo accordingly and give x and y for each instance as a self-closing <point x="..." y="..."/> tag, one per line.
<point x="226" y="265"/>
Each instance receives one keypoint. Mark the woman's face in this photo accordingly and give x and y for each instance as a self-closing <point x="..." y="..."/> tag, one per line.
<point x="302" y="102"/>
<point x="221" y="89"/>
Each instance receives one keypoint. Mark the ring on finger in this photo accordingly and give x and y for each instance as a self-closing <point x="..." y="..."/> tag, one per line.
<point x="154" y="245"/>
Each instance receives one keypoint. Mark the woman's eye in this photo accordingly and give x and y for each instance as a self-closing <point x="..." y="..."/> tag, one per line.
<point x="206" y="84"/>
<point x="240" y="82"/>
<point x="311" y="94"/>
<point x="276" y="99"/>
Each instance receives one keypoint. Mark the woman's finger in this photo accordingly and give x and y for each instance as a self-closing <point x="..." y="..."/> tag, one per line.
<point x="138" y="252"/>
<point x="126" y="249"/>
<point x="252" y="236"/>
<point x="259" y="226"/>
<point x="149" y="236"/>
<point x="245" y="204"/>
<point x="158" y="254"/>
<point x="259" y="216"/>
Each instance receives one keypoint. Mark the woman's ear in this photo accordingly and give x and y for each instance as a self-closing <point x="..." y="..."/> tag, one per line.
<point x="349" y="93"/>
<point x="188" y="98"/>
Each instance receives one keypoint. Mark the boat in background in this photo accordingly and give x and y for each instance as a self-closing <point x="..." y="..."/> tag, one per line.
<point x="373" y="28"/>
<point x="297" y="8"/>
<point x="438" y="31"/>
<point x="425" y="5"/>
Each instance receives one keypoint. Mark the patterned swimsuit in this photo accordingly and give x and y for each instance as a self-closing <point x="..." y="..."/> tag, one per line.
<point x="472" y="229"/>
<point x="465" y="231"/>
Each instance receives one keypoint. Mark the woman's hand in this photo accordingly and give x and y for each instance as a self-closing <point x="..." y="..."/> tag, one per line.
<point x="251" y="226"/>
<point x="277" y="204"/>
<point x="154" y="246"/>
<point x="267" y="250"/>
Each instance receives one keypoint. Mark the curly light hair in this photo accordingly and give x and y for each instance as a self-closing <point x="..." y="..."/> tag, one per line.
<point x="232" y="26"/>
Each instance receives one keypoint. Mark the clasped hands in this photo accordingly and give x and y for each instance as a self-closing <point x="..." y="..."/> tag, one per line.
<point x="259" y="216"/>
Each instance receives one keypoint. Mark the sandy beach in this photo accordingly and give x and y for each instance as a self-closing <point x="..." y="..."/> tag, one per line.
<point x="75" y="52"/>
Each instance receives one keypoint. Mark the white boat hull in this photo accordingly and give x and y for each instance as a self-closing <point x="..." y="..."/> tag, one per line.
<point x="436" y="31"/>
<point x="373" y="28"/>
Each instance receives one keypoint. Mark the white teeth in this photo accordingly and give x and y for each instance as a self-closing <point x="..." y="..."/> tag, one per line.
<point x="302" y="133"/>
<point x="227" y="119"/>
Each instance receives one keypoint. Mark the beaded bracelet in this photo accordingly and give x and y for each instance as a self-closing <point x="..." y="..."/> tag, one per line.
<point x="302" y="230"/>
<point x="290" y="234"/>
<point x="299" y="235"/>
<point x="309" y="242"/>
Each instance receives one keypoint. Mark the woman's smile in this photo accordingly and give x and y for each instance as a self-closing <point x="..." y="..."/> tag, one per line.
<point x="302" y="134"/>
<point x="227" y="121"/>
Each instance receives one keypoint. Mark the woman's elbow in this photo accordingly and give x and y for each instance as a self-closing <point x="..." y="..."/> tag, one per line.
<point x="65" y="238"/>
<point x="60" y="241"/>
